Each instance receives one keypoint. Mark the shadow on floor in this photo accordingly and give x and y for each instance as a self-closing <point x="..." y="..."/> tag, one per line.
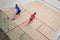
<point x="3" y="35"/>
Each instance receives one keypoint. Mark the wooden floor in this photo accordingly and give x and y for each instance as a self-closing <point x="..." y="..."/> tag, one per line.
<point x="42" y="28"/>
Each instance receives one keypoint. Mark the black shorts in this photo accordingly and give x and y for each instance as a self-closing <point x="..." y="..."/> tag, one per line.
<point x="30" y="19"/>
<point x="18" y="12"/>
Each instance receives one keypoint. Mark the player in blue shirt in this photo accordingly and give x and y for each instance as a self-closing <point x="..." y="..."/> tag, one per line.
<point x="18" y="9"/>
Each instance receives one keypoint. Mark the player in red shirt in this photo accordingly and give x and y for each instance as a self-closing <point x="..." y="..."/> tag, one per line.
<point x="32" y="17"/>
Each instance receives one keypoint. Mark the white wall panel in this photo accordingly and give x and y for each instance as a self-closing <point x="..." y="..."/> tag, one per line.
<point x="9" y="3"/>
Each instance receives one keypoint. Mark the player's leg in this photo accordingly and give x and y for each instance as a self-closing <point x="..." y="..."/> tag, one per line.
<point x="16" y="15"/>
<point x="18" y="12"/>
<point x="30" y="20"/>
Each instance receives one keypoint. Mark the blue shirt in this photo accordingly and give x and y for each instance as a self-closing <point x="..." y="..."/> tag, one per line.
<point x="17" y="8"/>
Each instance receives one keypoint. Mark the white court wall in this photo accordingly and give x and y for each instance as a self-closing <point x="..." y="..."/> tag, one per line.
<point x="9" y="3"/>
<point x="54" y="4"/>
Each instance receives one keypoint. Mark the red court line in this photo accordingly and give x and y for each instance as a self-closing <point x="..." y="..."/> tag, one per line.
<point x="17" y="26"/>
<point x="40" y="26"/>
<point x="26" y="33"/>
<point x="12" y="29"/>
<point x="43" y="35"/>
<point x="23" y="22"/>
<point x="51" y="28"/>
<point x="38" y="19"/>
<point x="41" y="32"/>
<point x="47" y="25"/>
<point x="51" y="5"/>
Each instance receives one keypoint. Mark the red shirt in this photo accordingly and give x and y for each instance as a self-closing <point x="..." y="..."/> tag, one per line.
<point x="32" y="16"/>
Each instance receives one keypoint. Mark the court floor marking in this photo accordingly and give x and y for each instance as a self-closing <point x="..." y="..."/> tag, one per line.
<point x="41" y="25"/>
<point x="41" y="32"/>
<point x="14" y="22"/>
<point x="42" y="22"/>
<point x="17" y="26"/>
<point x="47" y="25"/>
<point x="44" y="35"/>
<point x="20" y="29"/>
<point x="38" y="18"/>
<point x="25" y="32"/>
